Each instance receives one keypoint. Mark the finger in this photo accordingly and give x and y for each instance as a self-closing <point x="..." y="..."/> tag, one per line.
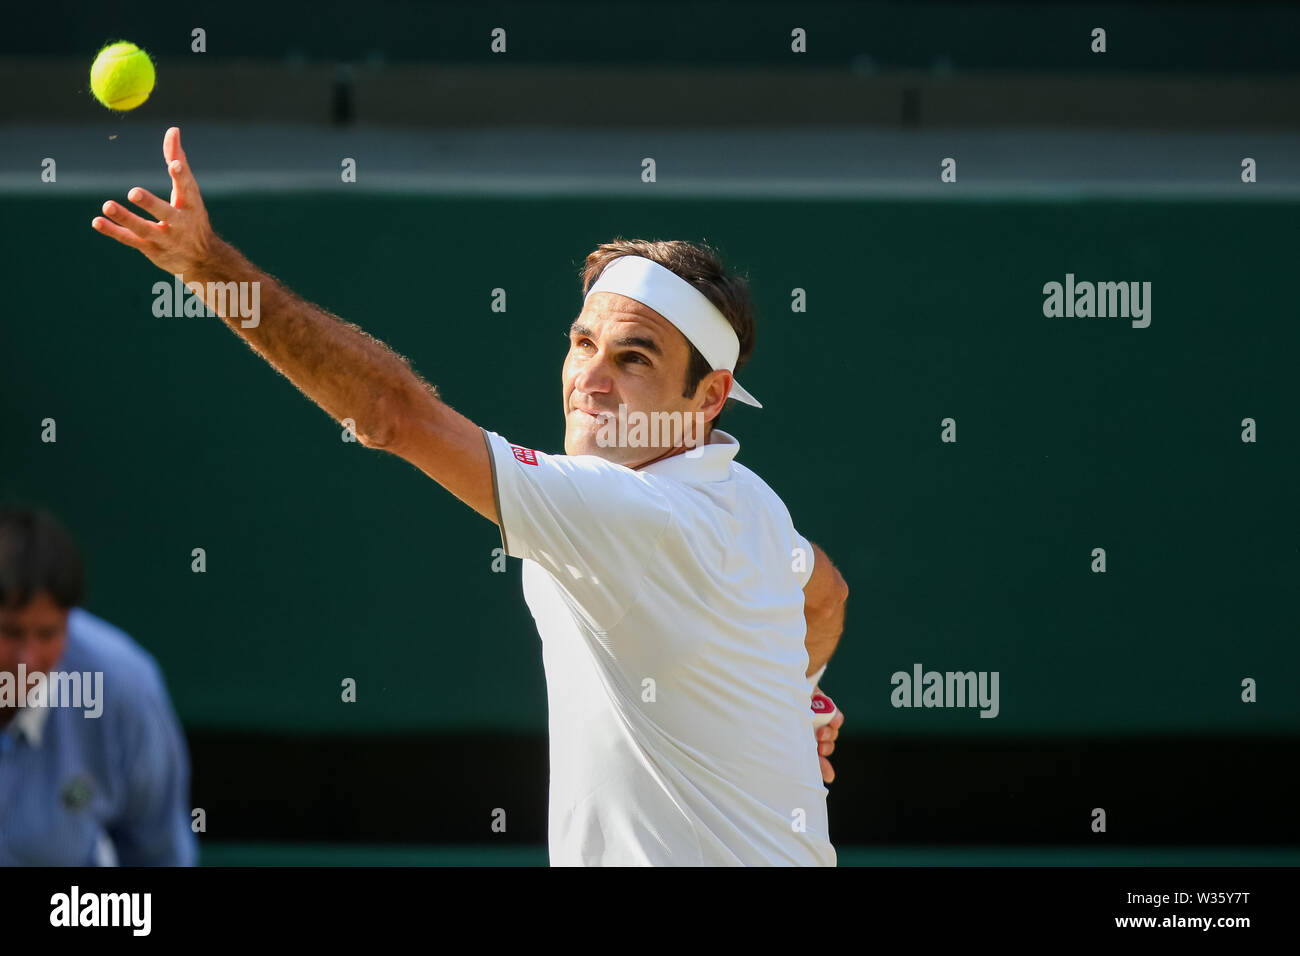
<point x="827" y="733"/>
<point x="183" y="186"/>
<point x="151" y="204"/>
<point x="826" y="748"/>
<point x="828" y="772"/>
<point x="837" y="720"/>
<point x="172" y="144"/>
<point x="125" y="217"/>
<point x="185" y="190"/>
<point x="114" y="231"/>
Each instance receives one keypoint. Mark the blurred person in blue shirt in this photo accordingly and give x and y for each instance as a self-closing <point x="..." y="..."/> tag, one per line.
<point x="96" y="778"/>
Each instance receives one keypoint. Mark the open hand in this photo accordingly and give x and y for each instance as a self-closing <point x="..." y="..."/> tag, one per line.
<point x="181" y="236"/>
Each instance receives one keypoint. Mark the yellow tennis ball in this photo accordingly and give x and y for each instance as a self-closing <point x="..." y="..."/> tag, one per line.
<point x="122" y="76"/>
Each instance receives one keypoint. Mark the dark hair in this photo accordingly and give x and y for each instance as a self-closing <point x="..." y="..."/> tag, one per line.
<point x="699" y="265"/>
<point x="37" y="555"/>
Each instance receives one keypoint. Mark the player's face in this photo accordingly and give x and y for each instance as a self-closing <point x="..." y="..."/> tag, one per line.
<point x="622" y="352"/>
<point x="33" y="635"/>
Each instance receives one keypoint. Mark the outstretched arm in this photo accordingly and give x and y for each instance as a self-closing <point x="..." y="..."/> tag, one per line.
<point x="345" y="371"/>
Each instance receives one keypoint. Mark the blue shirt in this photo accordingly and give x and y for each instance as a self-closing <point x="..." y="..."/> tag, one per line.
<point x="112" y="789"/>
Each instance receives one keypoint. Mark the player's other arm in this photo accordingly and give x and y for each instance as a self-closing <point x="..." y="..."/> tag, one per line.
<point x="824" y="599"/>
<point x="345" y="371"/>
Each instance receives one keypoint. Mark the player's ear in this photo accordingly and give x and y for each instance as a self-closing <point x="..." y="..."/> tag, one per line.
<point x="720" y="382"/>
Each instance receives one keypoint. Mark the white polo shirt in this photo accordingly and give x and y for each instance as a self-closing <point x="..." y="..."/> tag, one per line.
<point x="672" y="625"/>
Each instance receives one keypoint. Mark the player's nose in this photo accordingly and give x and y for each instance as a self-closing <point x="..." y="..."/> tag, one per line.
<point x="595" y="375"/>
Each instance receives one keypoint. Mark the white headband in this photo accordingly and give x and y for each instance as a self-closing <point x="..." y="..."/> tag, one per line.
<point x="681" y="304"/>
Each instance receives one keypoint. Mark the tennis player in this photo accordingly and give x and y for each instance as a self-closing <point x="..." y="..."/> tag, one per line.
<point x="684" y="621"/>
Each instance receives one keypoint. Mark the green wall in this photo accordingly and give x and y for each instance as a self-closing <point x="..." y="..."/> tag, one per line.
<point x="1200" y="37"/>
<point x="326" y="560"/>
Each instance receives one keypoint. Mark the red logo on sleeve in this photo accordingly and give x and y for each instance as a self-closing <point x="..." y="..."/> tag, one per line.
<point x="525" y="455"/>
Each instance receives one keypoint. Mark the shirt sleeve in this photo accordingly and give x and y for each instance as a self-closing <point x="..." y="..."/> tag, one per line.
<point x="589" y="522"/>
<point x="153" y="828"/>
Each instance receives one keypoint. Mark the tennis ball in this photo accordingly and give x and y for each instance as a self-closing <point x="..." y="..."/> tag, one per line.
<point x="122" y="76"/>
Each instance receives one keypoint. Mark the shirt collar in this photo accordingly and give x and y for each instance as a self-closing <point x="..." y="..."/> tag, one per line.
<point x="30" y="723"/>
<point x="712" y="463"/>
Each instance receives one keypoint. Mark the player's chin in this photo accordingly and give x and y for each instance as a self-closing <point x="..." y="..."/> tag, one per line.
<point x="585" y="440"/>
<point x="581" y="436"/>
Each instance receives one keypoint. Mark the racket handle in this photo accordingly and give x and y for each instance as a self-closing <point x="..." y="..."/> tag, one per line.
<point x="823" y="709"/>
